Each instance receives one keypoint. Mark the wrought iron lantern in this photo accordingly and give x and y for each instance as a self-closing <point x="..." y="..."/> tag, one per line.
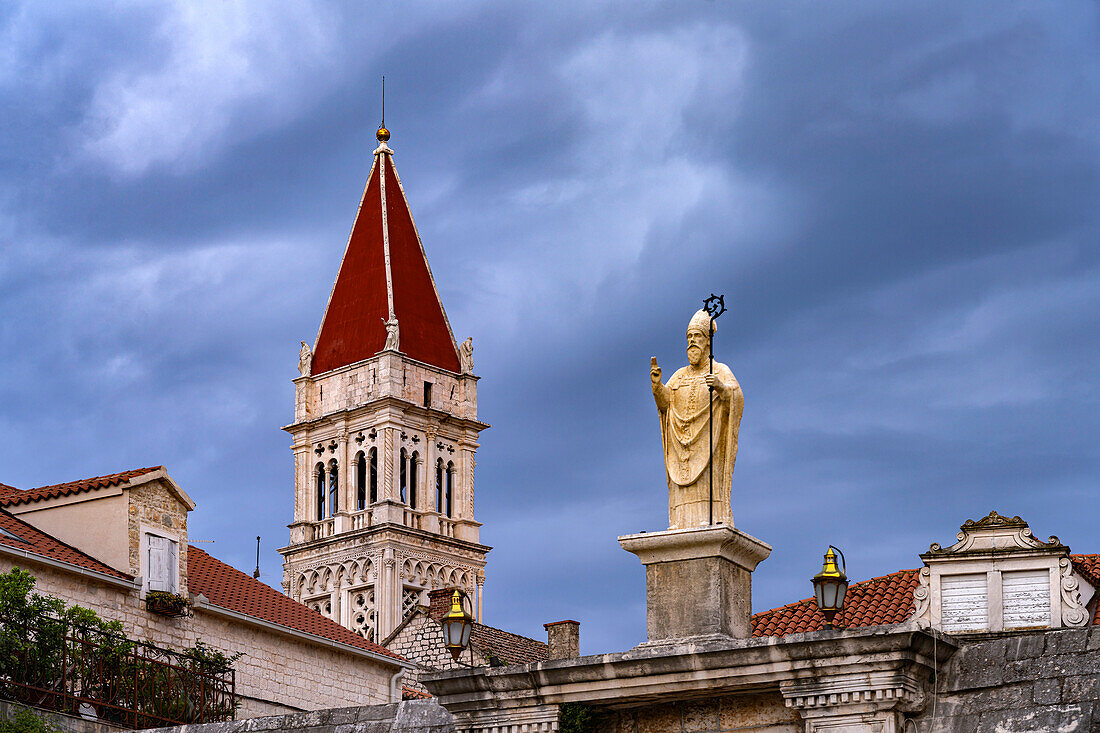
<point x="830" y="586"/>
<point x="457" y="625"/>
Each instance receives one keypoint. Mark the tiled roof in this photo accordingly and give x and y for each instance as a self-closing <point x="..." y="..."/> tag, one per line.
<point x="1089" y="567"/>
<point x="35" y="541"/>
<point x="408" y="693"/>
<point x="875" y="602"/>
<point x="510" y="648"/>
<point x="14" y="497"/>
<point x="353" y="326"/>
<point x="229" y="588"/>
<point x="884" y="600"/>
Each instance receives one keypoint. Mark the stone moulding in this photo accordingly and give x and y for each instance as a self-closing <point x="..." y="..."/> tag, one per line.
<point x="719" y="540"/>
<point x="995" y="533"/>
<point x="825" y="673"/>
<point x="1073" y="613"/>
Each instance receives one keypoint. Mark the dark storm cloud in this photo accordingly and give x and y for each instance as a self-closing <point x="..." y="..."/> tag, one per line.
<point x="899" y="202"/>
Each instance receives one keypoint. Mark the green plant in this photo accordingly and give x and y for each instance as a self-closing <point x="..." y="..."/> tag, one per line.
<point x="574" y="717"/>
<point x="171" y="604"/>
<point x="25" y="721"/>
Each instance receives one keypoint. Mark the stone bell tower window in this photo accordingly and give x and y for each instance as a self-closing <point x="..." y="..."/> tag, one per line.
<point x="333" y="488"/>
<point x="360" y="482"/>
<point x="320" y="490"/>
<point x="449" y="496"/>
<point x="427" y="394"/>
<point x="404" y="474"/>
<point x="439" y="485"/>
<point x="373" y="475"/>
<point x="414" y="461"/>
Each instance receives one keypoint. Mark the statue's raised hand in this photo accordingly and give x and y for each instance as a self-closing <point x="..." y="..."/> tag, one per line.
<point x="654" y="371"/>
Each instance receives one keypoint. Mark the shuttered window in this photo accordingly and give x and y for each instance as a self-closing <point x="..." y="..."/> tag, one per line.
<point x="964" y="602"/>
<point x="1026" y="597"/>
<point x="161" y="564"/>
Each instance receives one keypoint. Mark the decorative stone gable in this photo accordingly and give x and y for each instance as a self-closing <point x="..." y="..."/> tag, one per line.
<point x="999" y="577"/>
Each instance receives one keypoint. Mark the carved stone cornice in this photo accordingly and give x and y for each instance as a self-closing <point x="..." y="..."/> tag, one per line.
<point x="994" y="534"/>
<point x="872" y="692"/>
<point x="888" y="661"/>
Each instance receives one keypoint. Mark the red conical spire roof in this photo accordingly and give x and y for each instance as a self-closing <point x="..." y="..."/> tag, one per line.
<point x="384" y="274"/>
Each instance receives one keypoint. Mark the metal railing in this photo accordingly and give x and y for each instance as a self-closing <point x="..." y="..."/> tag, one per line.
<point x="95" y="674"/>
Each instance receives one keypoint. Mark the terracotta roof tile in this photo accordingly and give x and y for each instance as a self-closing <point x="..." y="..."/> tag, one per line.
<point x="35" y="541"/>
<point x="874" y="602"/>
<point x="510" y="648"/>
<point x="353" y="328"/>
<point x="15" y="497"/>
<point x="1089" y="567"/>
<point x="408" y="693"/>
<point x="229" y="588"/>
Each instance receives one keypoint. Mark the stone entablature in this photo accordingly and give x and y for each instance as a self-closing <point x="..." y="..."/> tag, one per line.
<point x="393" y="566"/>
<point x="387" y="374"/>
<point x="869" y="678"/>
<point x="999" y="577"/>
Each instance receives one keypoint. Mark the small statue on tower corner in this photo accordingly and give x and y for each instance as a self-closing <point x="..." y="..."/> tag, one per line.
<point x="700" y="412"/>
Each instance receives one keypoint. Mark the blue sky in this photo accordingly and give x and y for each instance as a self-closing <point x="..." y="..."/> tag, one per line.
<point x="899" y="201"/>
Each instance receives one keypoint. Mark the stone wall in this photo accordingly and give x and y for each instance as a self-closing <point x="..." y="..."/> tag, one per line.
<point x="410" y="716"/>
<point x="65" y="723"/>
<point x="421" y="640"/>
<point x="278" y="673"/>
<point x="1011" y="683"/>
<point x="762" y="713"/>
<point x="154" y="507"/>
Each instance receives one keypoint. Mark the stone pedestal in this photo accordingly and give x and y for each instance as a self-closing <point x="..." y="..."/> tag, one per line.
<point x="698" y="581"/>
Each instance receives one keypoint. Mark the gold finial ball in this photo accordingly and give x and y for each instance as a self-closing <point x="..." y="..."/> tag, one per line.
<point x="383" y="134"/>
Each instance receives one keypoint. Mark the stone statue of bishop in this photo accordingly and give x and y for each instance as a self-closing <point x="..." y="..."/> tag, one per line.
<point x="683" y="405"/>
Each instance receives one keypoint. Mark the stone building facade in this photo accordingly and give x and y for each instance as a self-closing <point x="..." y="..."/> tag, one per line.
<point x="384" y="435"/>
<point x="292" y="659"/>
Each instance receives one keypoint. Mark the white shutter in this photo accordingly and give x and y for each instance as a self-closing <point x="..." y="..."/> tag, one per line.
<point x="1026" y="598"/>
<point x="160" y="562"/>
<point x="964" y="603"/>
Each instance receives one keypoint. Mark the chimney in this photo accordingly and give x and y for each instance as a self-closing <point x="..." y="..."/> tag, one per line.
<point x="564" y="639"/>
<point x="439" y="602"/>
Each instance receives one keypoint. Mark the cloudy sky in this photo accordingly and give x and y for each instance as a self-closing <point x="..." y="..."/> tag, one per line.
<point x="899" y="201"/>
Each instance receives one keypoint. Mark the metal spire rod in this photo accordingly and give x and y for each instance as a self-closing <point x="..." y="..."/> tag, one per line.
<point x="383" y="101"/>
<point x="256" y="573"/>
<point x="715" y="306"/>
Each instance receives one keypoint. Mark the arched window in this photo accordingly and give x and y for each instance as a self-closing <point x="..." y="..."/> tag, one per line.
<point x="439" y="485"/>
<point x="320" y="485"/>
<point x="360" y="482"/>
<point x="373" y="475"/>
<point x="333" y="488"/>
<point x="449" y="498"/>
<point x="414" y="460"/>
<point x="404" y="474"/>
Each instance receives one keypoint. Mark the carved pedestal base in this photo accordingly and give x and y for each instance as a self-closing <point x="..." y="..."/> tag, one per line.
<point x="698" y="581"/>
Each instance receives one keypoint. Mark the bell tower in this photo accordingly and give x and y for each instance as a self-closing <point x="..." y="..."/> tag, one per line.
<point x="385" y="432"/>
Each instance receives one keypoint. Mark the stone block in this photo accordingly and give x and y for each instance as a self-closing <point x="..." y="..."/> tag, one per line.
<point x="978" y="665"/>
<point x="1067" y="641"/>
<point x="1026" y="646"/>
<point x="1081" y="689"/>
<point x="1094" y="638"/>
<point x="700" y="716"/>
<point x="952" y="724"/>
<point x="1061" y="718"/>
<point x="1047" y="692"/>
<point x="996" y="698"/>
<point x="660" y="719"/>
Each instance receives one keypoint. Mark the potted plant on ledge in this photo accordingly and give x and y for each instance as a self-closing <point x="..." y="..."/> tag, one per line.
<point x="167" y="604"/>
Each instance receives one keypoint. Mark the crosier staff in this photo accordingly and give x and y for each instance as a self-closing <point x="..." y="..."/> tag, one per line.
<point x="715" y="306"/>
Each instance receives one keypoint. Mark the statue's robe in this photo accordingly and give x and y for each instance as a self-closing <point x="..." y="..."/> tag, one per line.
<point x="685" y="434"/>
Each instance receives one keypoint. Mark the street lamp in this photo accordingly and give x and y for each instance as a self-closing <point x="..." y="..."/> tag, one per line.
<point x="830" y="586"/>
<point x="457" y="625"/>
